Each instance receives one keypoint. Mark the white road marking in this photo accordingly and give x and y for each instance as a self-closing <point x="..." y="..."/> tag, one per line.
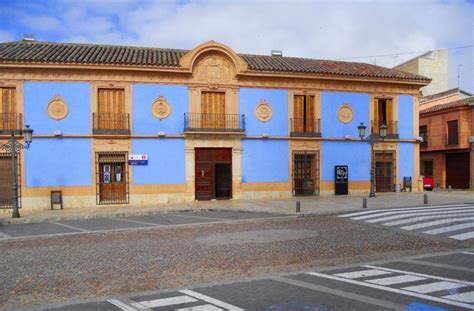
<point x="422" y="218"/>
<point x="121" y="305"/>
<point x="463" y="297"/>
<point x="211" y="300"/>
<point x="420" y="274"/>
<point x="396" y="280"/>
<point x="163" y="302"/>
<point x="393" y="290"/>
<point x="361" y="274"/>
<point x="433" y="287"/>
<point x="136" y="221"/>
<point x="406" y="209"/>
<point x="412" y="215"/>
<point x="4" y="235"/>
<point x="412" y="211"/>
<point x="436" y="222"/>
<point x="463" y="236"/>
<point x="69" y="226"/>
<point x="201" y="308"/>
<point x="450" y="228"/>
<point x="201" y="217"/>
<point x="468" y="253"/>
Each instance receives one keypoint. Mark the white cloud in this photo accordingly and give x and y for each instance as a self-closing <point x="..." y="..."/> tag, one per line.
<point x="303" y="28"/>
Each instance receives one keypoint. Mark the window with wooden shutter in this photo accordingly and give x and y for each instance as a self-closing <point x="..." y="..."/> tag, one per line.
<point x="111" y="117"/>
<point x="383" y="115"/>
<point x="9" y="118"/>
<point x="213" y="110"/>
<point x="424" y="135"/>
<point x="303" y="114"/>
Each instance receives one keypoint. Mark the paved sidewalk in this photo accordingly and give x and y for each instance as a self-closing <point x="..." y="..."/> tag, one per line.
<point x="314" y="205"/>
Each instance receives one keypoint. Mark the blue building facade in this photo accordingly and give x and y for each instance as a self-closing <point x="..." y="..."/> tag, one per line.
<point x="212" y="125"/>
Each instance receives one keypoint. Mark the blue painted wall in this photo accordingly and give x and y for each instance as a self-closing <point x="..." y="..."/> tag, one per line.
<point x="75" y="94"/>
<point x="144" y="122"/>
<point x="330" y="103"/>
<point x="405" y="160"/>
<point x="405" y="116"/>
<point x="354" y="154"/>
<point x="58" y="162"/>
<point x="277" y="99"/>
<point x="264" y="160"/>
<point x="166" y="161"/>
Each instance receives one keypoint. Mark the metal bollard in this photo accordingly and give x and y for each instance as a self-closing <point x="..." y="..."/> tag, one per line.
<point x="425" y="198"/>
<point x="364" y="202"/>
<point x="298" y="206"/>
<point x="449" y="188"/>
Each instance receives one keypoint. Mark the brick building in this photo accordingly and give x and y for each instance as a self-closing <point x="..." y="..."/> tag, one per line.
<point x="447" y="127"/>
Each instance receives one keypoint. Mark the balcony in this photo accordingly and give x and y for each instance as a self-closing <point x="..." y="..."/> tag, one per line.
<point x="10" y="122"/>
<point x="111" y="123"/>
<point x="304" y="127"/>
<point x="214" y="123"/>
<point x="392" y="128"/>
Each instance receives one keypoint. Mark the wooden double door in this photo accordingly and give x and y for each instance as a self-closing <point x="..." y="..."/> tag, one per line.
<point x="384" y="171"/>
<point x="457" y="170"/>
<point x="213" y="173"/>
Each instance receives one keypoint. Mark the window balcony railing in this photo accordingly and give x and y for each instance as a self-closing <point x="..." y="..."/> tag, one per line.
<point x="212" y="122"/>
<point x="392" y="128"/>
<point x="111" y="123"/>
<point x="305" y="127"/>
<point x="424" y="143"/>
<point x="452" y="139"/>
<point x="10" y="122"/>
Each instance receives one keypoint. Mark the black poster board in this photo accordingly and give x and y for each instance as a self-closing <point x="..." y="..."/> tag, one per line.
<point x="341" y="178"/>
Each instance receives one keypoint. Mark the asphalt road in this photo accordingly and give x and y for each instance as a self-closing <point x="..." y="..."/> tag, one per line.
<point x="427" y="282"/>
<point x="68" y="261"/>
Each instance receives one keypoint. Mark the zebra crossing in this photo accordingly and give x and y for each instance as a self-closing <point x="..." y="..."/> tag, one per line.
<point x="452" y="221"/>
<point x="454" y="292"/>
<point x="185" y="300"/>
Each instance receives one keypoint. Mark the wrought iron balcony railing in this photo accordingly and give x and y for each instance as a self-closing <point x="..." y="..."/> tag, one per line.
<point x="212" y="122"/>
<point x="305" y="127"/>
<point x="10" y="122"/>
<point x="392" y="128"/>
<point x="111" y="123"/>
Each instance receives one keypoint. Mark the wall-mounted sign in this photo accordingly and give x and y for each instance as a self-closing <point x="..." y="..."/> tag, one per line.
<point x="138" y="159"/>
<point x="341" y="179"/>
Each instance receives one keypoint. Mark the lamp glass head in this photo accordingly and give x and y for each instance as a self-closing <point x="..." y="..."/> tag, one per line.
<point x="383" y="130"/>
<point x="361" y="127"/>
<point x="28" y="133"/>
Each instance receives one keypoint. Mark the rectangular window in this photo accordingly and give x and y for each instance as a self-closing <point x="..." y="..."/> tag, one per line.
<point x="213" y="110"/>
<point x="427" y="169"/>
<point x="112" y="178"/>
<point x="453" y="132"/>
<point x="9" y="118"/>
<point x="424" y="135"/>
<point x="111" y="117"/>
<point x="304" y="114"/>
<point x="383" y="114"/>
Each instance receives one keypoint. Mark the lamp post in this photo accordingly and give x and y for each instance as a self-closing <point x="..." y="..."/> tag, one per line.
<point x="372" y="139"/>
<point x="14" y="147"/>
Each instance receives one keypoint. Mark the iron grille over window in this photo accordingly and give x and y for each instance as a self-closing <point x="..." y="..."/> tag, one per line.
<point x="306" y="173"/>
<point x="6" y="186"/>
<point x="112" y="178"/>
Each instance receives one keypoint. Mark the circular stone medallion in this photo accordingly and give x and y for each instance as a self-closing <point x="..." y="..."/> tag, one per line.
<point x="263" y="111"/>
<point x="160" y="108"/>
<point x="345" y="114"/>
<point x="57" y="108"/>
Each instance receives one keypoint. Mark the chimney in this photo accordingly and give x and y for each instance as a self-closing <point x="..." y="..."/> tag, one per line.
<point x="30" y="38"/>
<point x="277" y="53"/>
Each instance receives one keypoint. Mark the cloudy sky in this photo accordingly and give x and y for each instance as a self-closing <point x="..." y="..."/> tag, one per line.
<point x="356" y="30"/>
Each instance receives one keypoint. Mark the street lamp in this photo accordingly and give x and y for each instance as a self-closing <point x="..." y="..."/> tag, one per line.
<point x="372" y="139"/>
<point x="14" y="147"/>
